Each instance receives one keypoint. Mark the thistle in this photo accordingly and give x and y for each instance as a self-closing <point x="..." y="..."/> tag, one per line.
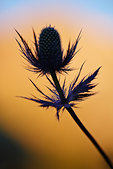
<point x="48" y="54"/>
<point x="47" y="59"/>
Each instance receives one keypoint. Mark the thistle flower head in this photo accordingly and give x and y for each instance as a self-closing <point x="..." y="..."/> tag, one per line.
<point x="48" y="55"/>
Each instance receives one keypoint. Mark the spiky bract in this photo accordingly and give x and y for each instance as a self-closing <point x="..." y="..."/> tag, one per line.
<point x="73" y="94"/>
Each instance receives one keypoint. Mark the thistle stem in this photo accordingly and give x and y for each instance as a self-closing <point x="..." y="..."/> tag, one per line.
<point x="79" y="123"/>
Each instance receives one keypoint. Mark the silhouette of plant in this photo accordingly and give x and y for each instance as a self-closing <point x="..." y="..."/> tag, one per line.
<point x="48" y="59"/>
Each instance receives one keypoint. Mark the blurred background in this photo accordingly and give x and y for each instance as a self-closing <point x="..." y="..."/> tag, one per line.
<point x="30" y="136"/>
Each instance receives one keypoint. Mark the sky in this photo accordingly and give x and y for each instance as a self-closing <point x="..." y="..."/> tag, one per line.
<point x="102" y="6"/>
<point x="35" y="128"/>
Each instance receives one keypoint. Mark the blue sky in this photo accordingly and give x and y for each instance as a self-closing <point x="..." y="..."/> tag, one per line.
<point x="103" y="6"/>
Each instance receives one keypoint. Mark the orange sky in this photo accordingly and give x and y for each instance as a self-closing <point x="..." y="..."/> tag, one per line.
<point x="38" y="128"/>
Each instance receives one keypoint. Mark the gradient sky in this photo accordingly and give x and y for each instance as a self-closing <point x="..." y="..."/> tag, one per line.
<point x="37" y="128"/>
<point x="102" y="6"/>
